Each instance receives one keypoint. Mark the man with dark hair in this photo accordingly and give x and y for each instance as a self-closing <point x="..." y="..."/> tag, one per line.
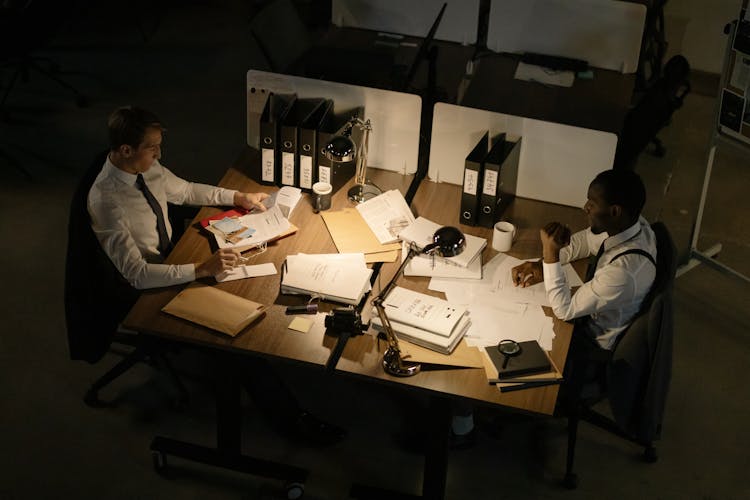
<point x="128" y="203"/>
<point x="624" y="250"/>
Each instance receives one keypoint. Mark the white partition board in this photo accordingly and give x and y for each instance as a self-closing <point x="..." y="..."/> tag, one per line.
<point x="395" y="116"/>
<point x="606" y="33"/>
<point x="557" y="161"/>
<point x="459" y="23"/>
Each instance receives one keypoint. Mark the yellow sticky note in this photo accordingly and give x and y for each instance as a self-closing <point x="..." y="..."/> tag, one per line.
<point x="301" y="325"/>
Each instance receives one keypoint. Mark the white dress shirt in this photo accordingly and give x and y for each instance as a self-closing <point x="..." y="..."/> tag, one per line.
<point x="614" y="295"/>
<point x="126" y="226"/>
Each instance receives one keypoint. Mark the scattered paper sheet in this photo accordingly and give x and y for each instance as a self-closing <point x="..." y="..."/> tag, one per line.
<point x="265" y="226"/>
<point x="545" y="76"/>
<point x="350" y="233"/>
<point x="386" y="215"/>
<point x="242" y="272"/>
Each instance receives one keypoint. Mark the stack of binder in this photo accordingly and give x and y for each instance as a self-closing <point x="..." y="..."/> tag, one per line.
<point x="337" y="173"/>
<point x="490" y="180"/>
<point x="274" y="113"/>
<point x="290" y="144"/>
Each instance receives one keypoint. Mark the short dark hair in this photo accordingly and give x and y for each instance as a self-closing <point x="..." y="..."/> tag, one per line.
<point x="128" y="125"/>
<point x="624" y="188"/>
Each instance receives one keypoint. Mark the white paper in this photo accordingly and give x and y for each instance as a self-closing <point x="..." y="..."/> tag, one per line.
<point x="506" y="320"/>
<point x="341" y="277"/>
<point x="267" y="225"/>
<point x="425" y="265"/>
<point x="242" y="272"/>
<point x="423" y="311"/>
<point x="386" y="215"/>
<point x="545" y="76"/>
<point x="421" y="231"/>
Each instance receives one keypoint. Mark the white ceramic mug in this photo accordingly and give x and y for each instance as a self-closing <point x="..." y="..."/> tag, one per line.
<point x="503" y="235"/>
<point x="322" y="192"/>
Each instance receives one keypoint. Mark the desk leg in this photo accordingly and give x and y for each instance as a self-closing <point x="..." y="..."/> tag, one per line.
<point x="435" y="460"/>
<point x="228" y="451"/>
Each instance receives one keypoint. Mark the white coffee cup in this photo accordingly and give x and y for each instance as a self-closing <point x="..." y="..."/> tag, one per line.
<point x="322" y="192"/>
<point x="503" y="235"/>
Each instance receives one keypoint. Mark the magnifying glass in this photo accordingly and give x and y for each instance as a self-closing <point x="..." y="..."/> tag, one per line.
<point x="509" y="349"/>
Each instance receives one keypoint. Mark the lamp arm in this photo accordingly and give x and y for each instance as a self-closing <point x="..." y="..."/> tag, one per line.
<point x="392" y="362"/>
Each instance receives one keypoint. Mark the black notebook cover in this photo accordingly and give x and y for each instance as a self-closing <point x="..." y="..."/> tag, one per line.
<point x="532" y="359"/>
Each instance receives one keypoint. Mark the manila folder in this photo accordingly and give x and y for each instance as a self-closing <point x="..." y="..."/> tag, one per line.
<point x="214" y="308"/>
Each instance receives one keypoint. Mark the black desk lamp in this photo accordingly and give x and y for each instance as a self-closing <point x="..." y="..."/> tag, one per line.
<point x="447" y="241"/>
<point x="341" y="148"/>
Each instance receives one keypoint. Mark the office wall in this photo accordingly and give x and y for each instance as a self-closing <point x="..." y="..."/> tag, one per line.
<point x="695" y="29"/>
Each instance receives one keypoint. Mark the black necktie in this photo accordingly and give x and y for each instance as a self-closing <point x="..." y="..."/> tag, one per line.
<point x="593" y="263"/>
<point x="164" y="244"/>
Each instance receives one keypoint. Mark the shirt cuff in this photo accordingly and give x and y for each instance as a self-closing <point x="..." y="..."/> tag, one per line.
<point x="188" y="271"/>
<point x="554" y="276"/>
<point x="227" y="197"/>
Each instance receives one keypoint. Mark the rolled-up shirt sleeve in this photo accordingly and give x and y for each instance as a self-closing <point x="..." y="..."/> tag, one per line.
<point x="110" y="226"/>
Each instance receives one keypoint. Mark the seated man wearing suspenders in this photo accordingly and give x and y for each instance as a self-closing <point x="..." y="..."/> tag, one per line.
<point x="622" y="248"/>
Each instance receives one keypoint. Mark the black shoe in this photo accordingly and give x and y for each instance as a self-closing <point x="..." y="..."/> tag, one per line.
<point x="463" y="441"/>
<point x="311" y="430"/>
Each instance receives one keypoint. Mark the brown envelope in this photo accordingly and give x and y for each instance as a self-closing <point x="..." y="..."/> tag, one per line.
<point x="351" y="234"/>
<point x="214" y="308"/>
<point x="463" y="355"/>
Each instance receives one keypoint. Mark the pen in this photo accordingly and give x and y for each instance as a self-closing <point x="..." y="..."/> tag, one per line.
<point x="305" y="309"/>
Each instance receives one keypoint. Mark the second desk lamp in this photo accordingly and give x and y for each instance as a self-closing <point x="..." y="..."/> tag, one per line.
<point x="341" y="148"/>
<point x="447" y="241"/>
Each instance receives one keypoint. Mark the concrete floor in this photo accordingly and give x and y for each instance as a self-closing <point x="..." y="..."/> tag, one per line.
<point x="189" y="65"/>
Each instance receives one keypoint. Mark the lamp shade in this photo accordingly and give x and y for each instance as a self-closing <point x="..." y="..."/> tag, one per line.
<point x="340" y="148"/>
<point x="448" y="241"/>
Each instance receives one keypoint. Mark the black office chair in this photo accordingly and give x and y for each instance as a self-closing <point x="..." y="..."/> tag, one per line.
<point x="635" y="376"/>
<point x="97" y="298"/>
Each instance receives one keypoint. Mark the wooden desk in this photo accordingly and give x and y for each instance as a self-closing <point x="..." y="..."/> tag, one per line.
<point x="363" y="354"/>
<point x="600" y="103"/>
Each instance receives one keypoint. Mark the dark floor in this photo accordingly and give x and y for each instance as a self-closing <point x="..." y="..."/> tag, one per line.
<point x="188" y="64"/>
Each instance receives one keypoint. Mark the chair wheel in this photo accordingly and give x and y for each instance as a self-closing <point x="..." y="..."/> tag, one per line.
<point x="570" y="481"/>
<point x="295" y="490"/>
<point x="649" y="455"/>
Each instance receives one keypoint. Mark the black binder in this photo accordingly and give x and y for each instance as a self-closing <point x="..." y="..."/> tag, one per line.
<point x="472" y="182"/>
<point x="532" y="359"/>
<point x="275" y="111"/>
<point x="337" y="173"/>
<point x="499" y="180"/>
<point x="307" y="145"/>
<point x="289" y="139"/>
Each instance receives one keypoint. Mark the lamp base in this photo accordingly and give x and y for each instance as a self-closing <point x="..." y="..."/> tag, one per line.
<point x="363" y="192"/>
<point x="394" y="365"/>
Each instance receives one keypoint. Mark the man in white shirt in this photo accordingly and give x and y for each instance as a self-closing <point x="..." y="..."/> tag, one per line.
<point x="624" y="248"/>
<point x="127" y="223"/>
<point x="128" y="205"/>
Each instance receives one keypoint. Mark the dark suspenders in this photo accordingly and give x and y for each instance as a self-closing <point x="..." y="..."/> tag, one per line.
<point x="636" y="251"/>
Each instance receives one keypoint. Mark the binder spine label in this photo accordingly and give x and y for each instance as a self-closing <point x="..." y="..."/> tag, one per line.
<point x="305" y="172"/>
<point x="490" y="183"/>
<point x="324" y="174"/>
<point x="287" y="169"/>
<point x="471" y="178"/>
<point x="267" y="165"/>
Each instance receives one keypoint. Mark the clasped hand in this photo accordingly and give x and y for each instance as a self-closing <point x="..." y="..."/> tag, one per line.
<point x="554" y="236"/>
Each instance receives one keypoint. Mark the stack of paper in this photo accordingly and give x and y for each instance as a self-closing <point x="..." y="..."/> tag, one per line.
<point x="259" y="227"/>
<point x="421" y="231"/>
<point x="386" y="215"/>
<point x="338" y="277"/>
<point x="425" y="320"/>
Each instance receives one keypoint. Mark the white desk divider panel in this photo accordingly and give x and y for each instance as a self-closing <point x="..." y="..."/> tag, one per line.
<point x="557" y="161"/>
<point x="459" y="23"/>
<point x="395" y="116"/>
<point x="606" y="33"/>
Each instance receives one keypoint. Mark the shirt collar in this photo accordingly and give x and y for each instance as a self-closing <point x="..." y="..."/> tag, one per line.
<point x="623" y="236"/>
<point x="124" y="177"/>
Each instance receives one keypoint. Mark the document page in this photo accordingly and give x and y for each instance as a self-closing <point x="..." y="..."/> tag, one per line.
<point x="423" y="311"/>
<point x="386" y="214"/>
<point x="341" y="277"/>
<point x="263" y="226"/>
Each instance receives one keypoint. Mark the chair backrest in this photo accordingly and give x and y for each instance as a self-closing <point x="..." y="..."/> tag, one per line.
<point x="96" y="295"/>
<point x="281" y="35"/>
<point x="640" y="370"/>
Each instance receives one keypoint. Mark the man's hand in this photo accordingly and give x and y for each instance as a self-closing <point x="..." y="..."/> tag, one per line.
<point x="527" y="274"/>
<point x="223" y="259"/>
<point x="250" y="201"/>
<point x="554" y="236"/>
